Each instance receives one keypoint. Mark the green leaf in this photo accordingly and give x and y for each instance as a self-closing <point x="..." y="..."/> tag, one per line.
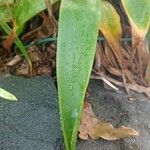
<point x="77" y="35"/>
<point x="21" y="11"/>
<point x="6" y="95"/>
<point x="138" y="13"/>
<point x="26" y="9"/>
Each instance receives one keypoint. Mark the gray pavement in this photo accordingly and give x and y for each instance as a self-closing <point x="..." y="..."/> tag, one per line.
<point x="32" y="123"/>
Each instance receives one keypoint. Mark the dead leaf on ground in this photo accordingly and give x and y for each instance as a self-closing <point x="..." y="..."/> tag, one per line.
<point x="43" y="62"/>
<point x="133" y="76"/>
<point x="92" y="127"/>
<point x="14" y="61"/>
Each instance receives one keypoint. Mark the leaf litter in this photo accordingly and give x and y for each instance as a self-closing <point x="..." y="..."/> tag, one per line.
<point x="42" y="56"/>
<point x="91" y="126"/>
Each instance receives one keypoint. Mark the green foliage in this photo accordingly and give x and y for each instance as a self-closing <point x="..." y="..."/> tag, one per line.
<point x="75" y="54"/>
<point x="139" y="11"/>
<point x="139" y="15"/>
<point x="19" y="11"/>
<point x="26" y="9"/>
<point x="5" y="13"/>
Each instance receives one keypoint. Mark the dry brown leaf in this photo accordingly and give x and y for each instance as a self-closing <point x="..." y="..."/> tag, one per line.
<point x="7" y="43"/>
<point x="108" y="132"/>
<point x="133" y="75"/>
<point x="14" y="61"/>
<point x="107" y="59"/>
<point x="92" y="127"/>
<point x="147" y="76"/>
<point x="97" y="61"/>
<point x="135" y="87"/>
<point x="143" y="57"/>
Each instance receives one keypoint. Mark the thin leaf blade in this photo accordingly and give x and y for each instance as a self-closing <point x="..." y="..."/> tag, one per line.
<point x="7" y="95"/>
<point x="19" y="44"/>
<point x="110" y="22"/>
<point x="110" y="26"/>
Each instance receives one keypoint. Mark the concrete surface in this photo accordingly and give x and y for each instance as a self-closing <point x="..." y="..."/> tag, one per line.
<point x="32" y="123"/>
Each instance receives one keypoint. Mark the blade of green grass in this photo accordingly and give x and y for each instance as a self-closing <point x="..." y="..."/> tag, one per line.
<point x="19" y="44"/>
<point x="7" y="95"/>
<point x="77" y="35"/>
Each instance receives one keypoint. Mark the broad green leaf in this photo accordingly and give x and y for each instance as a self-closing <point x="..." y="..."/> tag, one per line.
<point x="77" y="35"/>
<point x="138" y="12"/>
<point x="110" y="26"/>
<point x="6" y="95"/>
<point x="21" y="11"/>
<point x="26" y="9"/>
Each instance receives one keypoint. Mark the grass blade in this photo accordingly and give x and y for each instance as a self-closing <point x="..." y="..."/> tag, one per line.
<point x="6" y="95"/>
<point x="19" y="44"/>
